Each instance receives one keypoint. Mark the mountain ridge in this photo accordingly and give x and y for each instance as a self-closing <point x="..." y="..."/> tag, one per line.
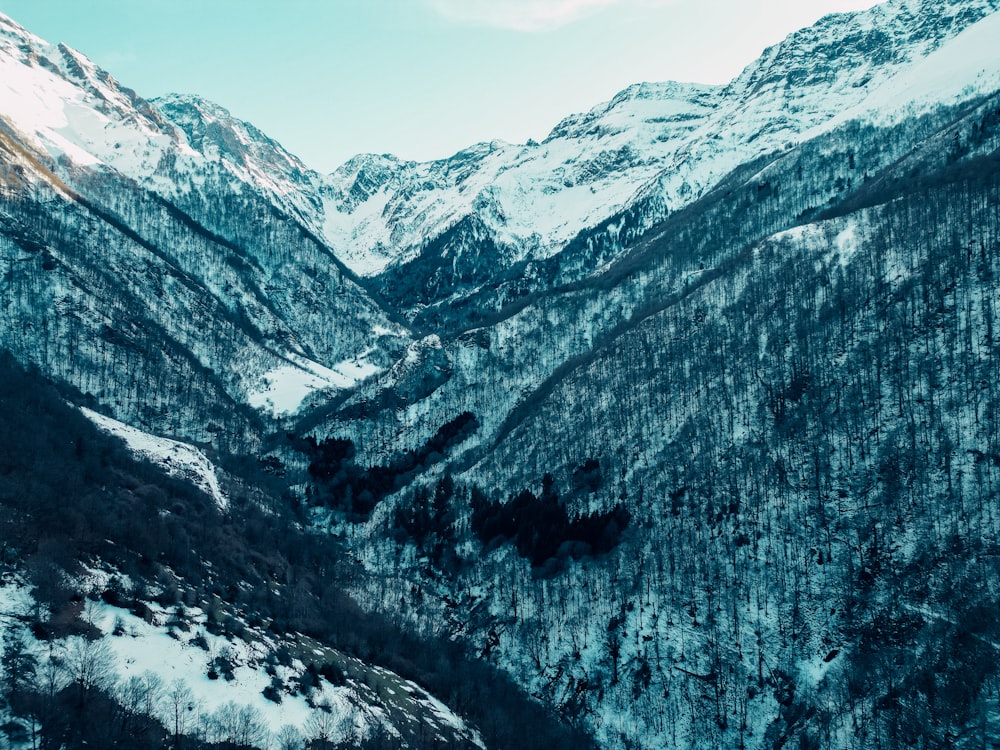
<point x="694" y="458"/>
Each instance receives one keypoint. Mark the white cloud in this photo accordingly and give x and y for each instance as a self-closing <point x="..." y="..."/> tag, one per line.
<point x="526" y="15"/>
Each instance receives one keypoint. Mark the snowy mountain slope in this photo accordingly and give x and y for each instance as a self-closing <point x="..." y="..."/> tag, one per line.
<point x="246" y="153"/>
<point x="750" y="340"/>
<point x="165" y="656"/>
<point x="653" y="149"/>
<point x="764" y="416"/>
<point x="176" y="458"/>
<point x="140" y="317"/>
<point x="68" y="107"/>
<point x="532" y="197"/>
<point x="532" y="340"/>
<point x="185" y="242"/>
<point x="135" y="611"/>
<point x="535" y="345"/>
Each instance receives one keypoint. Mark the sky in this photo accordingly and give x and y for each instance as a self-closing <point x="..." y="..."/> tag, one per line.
<point x="420" y="79"/>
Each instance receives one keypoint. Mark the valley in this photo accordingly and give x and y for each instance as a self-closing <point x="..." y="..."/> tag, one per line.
<point x="677" y="429"/>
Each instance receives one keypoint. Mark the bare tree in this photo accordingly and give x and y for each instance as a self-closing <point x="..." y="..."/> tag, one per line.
<point x="290" y="738"/>
<point x="89" y="665"/>
<point x="177" y="710"/>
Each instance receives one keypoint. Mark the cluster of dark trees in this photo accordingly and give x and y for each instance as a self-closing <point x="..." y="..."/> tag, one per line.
<point x="429" y="518"/>
<point x="72" y="495"/>
<point x="540" y="527"/>
<point x="339" y="483"/>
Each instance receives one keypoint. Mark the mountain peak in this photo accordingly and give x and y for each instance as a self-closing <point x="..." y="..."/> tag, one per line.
<point x="213" y="130"/>
<point x="11" y="29"/>
<point x="857" y="49"/>
<point x="647" y="99"/>
<point x="66" y="105"/>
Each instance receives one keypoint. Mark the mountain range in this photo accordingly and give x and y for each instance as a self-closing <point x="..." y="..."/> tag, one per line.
<point x="683" y="420"/>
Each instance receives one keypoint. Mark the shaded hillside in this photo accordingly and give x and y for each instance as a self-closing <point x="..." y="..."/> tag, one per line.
<point x="88" y="526"/>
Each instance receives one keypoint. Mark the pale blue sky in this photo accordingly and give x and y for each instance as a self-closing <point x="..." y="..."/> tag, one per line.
<point x="417" y="78"/>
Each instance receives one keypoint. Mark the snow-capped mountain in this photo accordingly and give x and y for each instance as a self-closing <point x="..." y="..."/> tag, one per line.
<point x="533" y="336"/>
<point x="654" y="149"/>
<point x="489" y="223"/>
<point x="68" y="108"/>
<point x="531" y="198"/>
<point x="196" y="233"/>
<point x="685" y="417"/>
<point x="80" y="116"/>
<point x="245" y="152"/>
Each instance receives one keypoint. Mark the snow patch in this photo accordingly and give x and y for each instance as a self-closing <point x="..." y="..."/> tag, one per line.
<point x="965" y="65"/>
<point x="847" y="244"/>
<point x="178" y="459"/>
<point x="284" y="388"/>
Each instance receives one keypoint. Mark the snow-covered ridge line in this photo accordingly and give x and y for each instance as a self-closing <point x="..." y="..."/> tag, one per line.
<point x="176" y="458"/>
<point x="671" y="140"/>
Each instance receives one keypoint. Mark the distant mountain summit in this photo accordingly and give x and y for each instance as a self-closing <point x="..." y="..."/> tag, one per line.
<point x="651" y="150"/>
<point x="421" y="231"/>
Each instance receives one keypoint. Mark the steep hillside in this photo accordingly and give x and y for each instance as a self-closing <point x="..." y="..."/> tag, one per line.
<point x="782" y="392"/>
<point x="160" y="278"/>
<point x="136" y="611"/>
<point x="800" y="442"/>
<point x="683" y="421"/>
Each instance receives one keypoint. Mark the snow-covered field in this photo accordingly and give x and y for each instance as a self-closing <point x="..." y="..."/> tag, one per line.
<point x="283" y="389"/>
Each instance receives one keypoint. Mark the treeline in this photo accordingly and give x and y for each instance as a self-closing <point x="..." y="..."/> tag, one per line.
<point x="71" y="495"/>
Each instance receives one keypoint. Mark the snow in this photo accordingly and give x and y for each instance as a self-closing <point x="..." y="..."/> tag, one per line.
<point x="62" y="105"/>
<point x="667" y="140"/>
<point x="341" y="234"/>
<point x="164" y="650"/>
<point x="146" y="648"/>
<point x="177" y="458"/>
<point x="284" y="388"/>
<point x="243" y="151"/>
<point x="847" y="244"/>
<point x="535" y="197"/>
<point x="16" y="601"/>
<point x="151" y="648"/>
<point x="966" y="65"/>
<point x="36" y="102"/>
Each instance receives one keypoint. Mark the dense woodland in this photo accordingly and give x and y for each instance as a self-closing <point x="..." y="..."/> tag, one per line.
<point x="74" y="496"/>
<point x="805" y="439"/>
<point x="719" y="473"/>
